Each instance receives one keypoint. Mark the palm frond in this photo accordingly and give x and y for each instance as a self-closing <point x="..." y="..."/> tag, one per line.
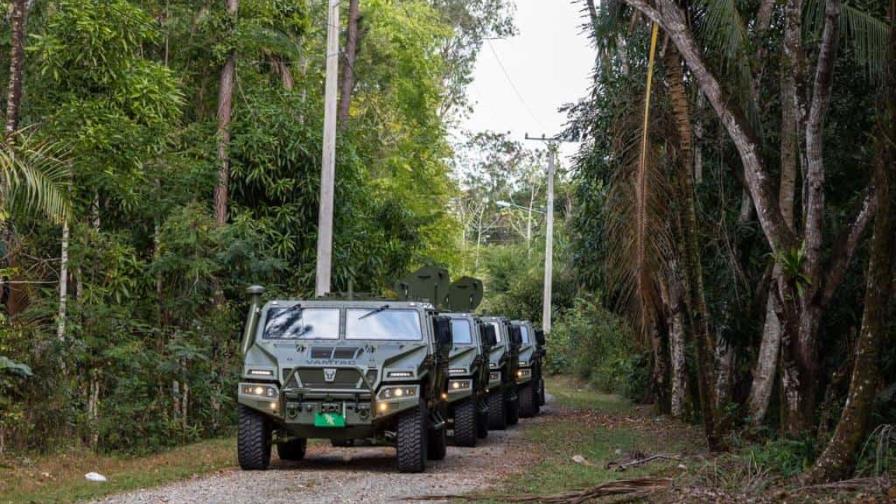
<point x="34" y="177"/>
<point x="867" y="34"/>
<point x="724" y="31"/>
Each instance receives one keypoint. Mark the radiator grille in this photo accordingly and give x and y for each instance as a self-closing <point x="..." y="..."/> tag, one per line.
<point x="344" y="379"/>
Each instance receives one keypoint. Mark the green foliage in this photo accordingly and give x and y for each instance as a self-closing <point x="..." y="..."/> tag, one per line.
<point x="120" y="109"/>
<point x="784" y="457"/>
<point x="598" y="346"/>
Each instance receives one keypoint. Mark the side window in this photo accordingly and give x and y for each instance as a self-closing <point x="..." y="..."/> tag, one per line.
<point x="497" y="326"/>
<point x="524" y="332"/>
<point x="462" y="331"/>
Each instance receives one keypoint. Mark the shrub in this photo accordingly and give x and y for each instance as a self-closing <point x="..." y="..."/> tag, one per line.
<point x="596" y="345"/>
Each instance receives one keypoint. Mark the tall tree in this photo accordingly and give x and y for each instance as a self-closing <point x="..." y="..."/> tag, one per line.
<point x="17" y="20"/>
<point x="225" y="110"/>
<point x="839" y="457"/>
<point x="802" y="287"/>
<point x="352" y="44"/>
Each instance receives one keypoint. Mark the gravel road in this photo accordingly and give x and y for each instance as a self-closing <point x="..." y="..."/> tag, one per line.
<point x="354" y="475"/>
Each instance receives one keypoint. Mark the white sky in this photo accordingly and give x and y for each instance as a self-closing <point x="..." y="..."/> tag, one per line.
<point x="550" y="62"/>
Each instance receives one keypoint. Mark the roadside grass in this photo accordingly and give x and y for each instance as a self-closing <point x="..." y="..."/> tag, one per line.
<point x="601" y="428"/>
<point x="59" y="478"/>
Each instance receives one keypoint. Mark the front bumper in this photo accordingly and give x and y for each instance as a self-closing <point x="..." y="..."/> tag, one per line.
<point x="301" y="407"/>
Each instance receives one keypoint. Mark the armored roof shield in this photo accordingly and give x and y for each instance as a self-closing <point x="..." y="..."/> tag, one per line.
<point x="465" y="294"/>
<point x="429" y="283"/>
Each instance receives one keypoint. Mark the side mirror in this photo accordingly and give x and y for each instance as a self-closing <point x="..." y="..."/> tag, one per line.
<point x="487" y="333"/>
<point x="539" y="337"/>
<point x="442" y="328"/>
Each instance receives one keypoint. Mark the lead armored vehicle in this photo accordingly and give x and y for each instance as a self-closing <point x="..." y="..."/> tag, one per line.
<point x="530" y="382"/>
<point x="503" y="400"/>
<point x="469" y="365"/>
<point x="343" y="370"/>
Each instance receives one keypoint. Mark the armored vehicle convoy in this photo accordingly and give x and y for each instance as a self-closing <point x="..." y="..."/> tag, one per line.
<point x="503" y="400"/>
<point x="530" y="383"/>
<point x="343" y="370"/>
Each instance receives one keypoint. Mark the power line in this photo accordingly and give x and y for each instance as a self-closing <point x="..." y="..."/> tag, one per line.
<point x="512" y="85"/>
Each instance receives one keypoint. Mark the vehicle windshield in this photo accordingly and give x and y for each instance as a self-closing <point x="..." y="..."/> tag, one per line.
<point x="295" y="322"/>
<point x="497" y="331"/>
<point x="382" y="324"/>
<point x="525" y="332"/>
<point x="460" y="330"/>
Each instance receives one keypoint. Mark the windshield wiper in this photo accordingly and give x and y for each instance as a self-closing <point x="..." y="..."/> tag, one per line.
<point x="295" y="307"/>
<point x="374" y="311"/>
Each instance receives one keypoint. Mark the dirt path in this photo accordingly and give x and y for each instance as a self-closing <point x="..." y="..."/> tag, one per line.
<point x="355" y="475"/>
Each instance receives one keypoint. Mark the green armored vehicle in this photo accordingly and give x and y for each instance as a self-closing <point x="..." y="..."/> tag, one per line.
<point x="343" y="370"/>
<point x="468" y="378"/>
<point x="503" y="400"/>
<point x="469" y="365"/>
<point x="530" y="382"/>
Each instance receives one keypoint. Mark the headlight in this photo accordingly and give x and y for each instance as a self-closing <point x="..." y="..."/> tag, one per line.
<point x="258" y="390"/>
<point x="524" y="373"/>
<point x="397" y="392"/>
<point x="459" y="385"/>
<point x="261" y="372"/>
<point x="457" y="371"/>
<point x="400" y="374"/>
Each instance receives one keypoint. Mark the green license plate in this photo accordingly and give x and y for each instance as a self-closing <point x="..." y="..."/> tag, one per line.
<point x="329" y="420"/>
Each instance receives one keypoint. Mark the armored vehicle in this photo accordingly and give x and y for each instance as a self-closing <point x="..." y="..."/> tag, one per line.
<point x="468" y="368"/>
<point x="503" y="400"/>
<point x="530" y="383"/>
<point x="343" y="370"/>
<point x="469" y="378"/>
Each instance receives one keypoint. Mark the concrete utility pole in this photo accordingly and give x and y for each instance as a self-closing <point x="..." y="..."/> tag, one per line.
<point x="549" y="231"/>
<point x="549" y="244"/>
<point x="328" y="166"/>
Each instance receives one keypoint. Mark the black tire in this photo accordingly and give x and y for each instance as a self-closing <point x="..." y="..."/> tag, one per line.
<point x="411" y="442"/>
<point x="292" y="450"/>
<point x="465" y="423"/>
<point x="528" y="400"/>
<point x="481" y="424"/>
<point x="253" y="440"/>
<point x="497" y="419"/>
<point x="512" y="409"/>
<point x="437" y="442"/>
<point x="541" y="394"/>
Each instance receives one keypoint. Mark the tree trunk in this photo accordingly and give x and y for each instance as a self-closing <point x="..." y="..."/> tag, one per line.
<point x="17" y="21"/>
<point x="801" y="412"/>
<point x="767" y="362"/>
<point x="839" y="457"/>
<point x="692" y="267"/>
<point x="63" y="283"/>
<point x="678" y="399"/>
<point x="225" y="109"/>
<point x="352" y="41"/>
<point x="660" y="369"/>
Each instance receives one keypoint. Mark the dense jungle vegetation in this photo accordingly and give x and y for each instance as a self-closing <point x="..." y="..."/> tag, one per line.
<point x="724" y="246"/>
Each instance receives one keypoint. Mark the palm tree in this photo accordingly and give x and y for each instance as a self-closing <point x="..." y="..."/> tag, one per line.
<point x="34" y="178"/>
